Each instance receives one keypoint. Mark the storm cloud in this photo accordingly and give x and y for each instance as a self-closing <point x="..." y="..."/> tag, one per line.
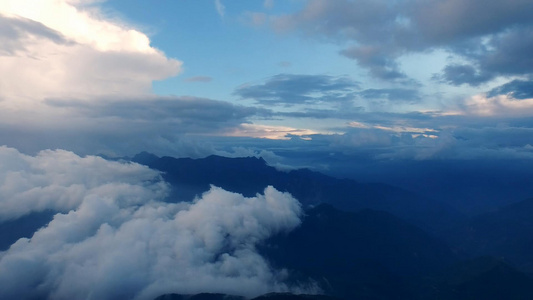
<point x="113" y="236"/>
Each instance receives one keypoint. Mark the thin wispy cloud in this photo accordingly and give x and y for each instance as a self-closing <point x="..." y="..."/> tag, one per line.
<point x="221" y="9"/>
<point x="199" y="79"/>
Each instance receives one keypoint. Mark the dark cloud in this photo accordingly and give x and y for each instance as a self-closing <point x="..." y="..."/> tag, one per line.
<point x="288" y="89"/>
<point x="164" y="125"/>
<point x="192" y="114"/>
<point x="346" y="114"/>
<point x="518" y="89"/>
<point x="15" y="31"/>
<point x="370" y="23"/>
<point x="359" y="114"/>
<point x="462" y="74"/>
<point x="445" y="22"/>
<point x="378" y="63"/>
<point x="386" y="30"/>
<point x="398" y="94"/>
<point x="505" y="54"/>
<point x="509" y="53"/>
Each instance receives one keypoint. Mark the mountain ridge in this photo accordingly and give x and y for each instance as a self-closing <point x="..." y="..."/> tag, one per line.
<point x="249" y="175"/>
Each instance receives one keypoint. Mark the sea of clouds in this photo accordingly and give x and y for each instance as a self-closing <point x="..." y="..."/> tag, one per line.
<point x="114" y="235"/>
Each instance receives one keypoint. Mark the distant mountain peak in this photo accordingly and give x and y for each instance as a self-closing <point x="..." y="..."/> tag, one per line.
<point x="145" y="158"/>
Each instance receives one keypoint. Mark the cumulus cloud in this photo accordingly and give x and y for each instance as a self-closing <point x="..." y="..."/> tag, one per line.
<point x="60" y="180"/>
<point x="70" y="50"/>
<point x="59" y="48"/>
<point x="113" y="236"/>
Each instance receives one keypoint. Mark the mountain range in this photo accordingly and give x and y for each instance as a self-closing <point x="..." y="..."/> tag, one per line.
<point x="359" y="240"/>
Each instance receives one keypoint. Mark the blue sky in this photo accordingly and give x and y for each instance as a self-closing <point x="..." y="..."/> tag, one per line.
<point x="227" y="49"/>
<point x="417" y="80"/>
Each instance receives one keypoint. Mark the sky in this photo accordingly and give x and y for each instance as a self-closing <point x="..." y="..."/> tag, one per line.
<point x="432" y="95"/>
<point x="385" y="80"/>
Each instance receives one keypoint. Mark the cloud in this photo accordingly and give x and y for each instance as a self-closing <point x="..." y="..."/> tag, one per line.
<point x="199" y="79"/>
<point x="66" y="48"/>
<point x="498" y="106"/>
<point x="518" y="89"/>
<point x="256" y="19"/>
<point x="81" y="80"/>
<point x="369" y="23"/>
<point x="221" y="9"/>
<point x="481" y="127"/>
<point x="376" y="61"/>
<point x="269" y="132"/>
<point x="16" y="34"/>
<point x="458" y="74"/>
<point x="268" y="4"/>
<point x="395" y="94"/>
<point x="504" y="54"/>
<point x="114" y="237"/>
<point x="61" y="181"/>
<point x="121" y="125"/>
<point x="189" y="112"/>
<point x="490" y="36"/>
<point x="290" y="89"/>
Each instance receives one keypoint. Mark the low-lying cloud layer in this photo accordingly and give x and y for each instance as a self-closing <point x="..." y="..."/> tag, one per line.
<point x="114" y="237"/>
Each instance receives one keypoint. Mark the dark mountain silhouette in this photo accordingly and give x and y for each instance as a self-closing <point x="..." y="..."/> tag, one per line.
<point x="363" y="255"/>
<point x="473" y="186"/>
<point x="251" y="175"/>
<point x="484" y="278"/>
<point x="203" y="296"/>
<point x="287" y="296"/>
<point x="270" y="296"/>
<point x="23" y="227"/>
<point x="506" y="232"/>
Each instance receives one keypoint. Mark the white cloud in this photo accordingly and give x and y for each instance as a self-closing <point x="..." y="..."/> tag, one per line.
<point x="221" y="9"/>
<point x="116" y="239"/>
<point x="72" y="49"/>
<point x="396" y="128"/>
<point x="268" y="4"/>
<point x="501" y="105"/>
<point x="61" y="181"/>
